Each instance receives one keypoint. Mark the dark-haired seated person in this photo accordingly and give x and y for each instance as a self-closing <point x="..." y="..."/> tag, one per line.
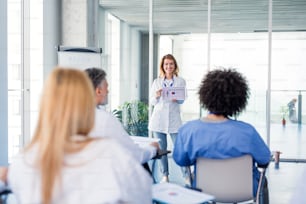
<point x="224" y="93"/>
<point x="106" y="124"/>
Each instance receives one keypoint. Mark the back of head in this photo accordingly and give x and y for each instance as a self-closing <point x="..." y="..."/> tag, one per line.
<point x="224" y="92"/>
<point x="96" y="75"/>
<point x="67" y="109"/>
<point x="67" y="102"/>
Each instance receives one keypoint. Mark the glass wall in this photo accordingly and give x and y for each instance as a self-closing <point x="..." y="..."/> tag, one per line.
<point x="113" y="53"/>
<point x="25" y="71"/>
<point x="236" y="44"/>
<point x="228" y="34"/>
<point x="288" y="79"/>
<point x="15" y="76"/>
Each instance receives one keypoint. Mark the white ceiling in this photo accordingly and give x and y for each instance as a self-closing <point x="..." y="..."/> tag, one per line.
<point x="190" y="16"/>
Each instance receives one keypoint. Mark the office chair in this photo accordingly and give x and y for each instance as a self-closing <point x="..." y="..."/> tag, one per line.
<point x="4" y="195"/>
<point x="229" y="180"/>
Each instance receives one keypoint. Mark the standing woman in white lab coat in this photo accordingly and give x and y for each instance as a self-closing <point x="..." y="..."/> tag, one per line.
<point x="166" y="116"/>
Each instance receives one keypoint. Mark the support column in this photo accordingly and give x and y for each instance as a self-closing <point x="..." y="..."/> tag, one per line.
<point x="80" y="23"/>
<point x="52" y="32"/>
<point x="3" y="85"/>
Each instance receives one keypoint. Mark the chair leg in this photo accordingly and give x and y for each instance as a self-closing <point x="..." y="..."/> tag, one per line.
<point x="264" y="194"/>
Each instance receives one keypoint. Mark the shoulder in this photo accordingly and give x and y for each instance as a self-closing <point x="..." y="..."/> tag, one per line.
<point x="180" y="80"/>
<point x="245" y="129"/>
<point x="190" y="125"/>
<point x="158" y="80"/>
<point x="243" y="125"/>
<point x="104" y="113"/>
<point x="107" y="117"/>
<point x="110" y="146"/>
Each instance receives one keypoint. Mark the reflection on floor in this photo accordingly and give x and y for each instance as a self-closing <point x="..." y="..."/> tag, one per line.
<point x="291" y="141"/>
<point x="282" y="180"/>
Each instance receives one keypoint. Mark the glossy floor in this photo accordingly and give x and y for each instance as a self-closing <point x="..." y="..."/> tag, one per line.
<point x="282" y="180"/>
<point x="291" y="141"/>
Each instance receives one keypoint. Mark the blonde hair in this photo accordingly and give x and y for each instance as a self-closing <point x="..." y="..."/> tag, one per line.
<point x="67" y="108"/>
<point x="161" y="65"/>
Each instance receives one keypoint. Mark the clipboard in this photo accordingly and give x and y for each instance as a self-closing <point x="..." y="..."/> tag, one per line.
<point x="174" y="193"/>
<point x="170" y="93"/>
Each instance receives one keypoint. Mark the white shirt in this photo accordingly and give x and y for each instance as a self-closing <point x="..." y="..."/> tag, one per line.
<point x="107" y="125"/>
<point x="166" y="115"/>
<point x="2" y="186"/>
<point x="101" y="173"/>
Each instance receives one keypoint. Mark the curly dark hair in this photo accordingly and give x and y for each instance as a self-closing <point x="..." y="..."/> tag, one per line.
<point x="96" y="76"/>
<point x="224" y="92"/>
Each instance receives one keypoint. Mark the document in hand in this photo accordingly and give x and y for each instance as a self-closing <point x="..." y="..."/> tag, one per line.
<point x="173" y="193"/>
<point x="143" y="141"/>
<point x="177" y="93"/>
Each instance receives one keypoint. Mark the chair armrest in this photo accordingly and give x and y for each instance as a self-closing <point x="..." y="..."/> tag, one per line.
<point x="263" y="166"/>
<point x="5" y="192"/>
<point x="161" y="153"/>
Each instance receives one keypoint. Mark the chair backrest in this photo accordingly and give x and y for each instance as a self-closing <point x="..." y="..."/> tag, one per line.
<point x="229" y="180"/>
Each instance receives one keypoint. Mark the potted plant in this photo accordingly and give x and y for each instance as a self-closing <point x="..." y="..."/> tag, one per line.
<point x="284" y="113"/>
<point x="134" y="117"/>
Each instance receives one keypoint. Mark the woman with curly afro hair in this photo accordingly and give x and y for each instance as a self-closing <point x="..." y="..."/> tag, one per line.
<point x="224" y="93"/>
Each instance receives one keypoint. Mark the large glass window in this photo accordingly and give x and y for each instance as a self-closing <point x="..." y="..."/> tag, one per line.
<point x="24" y="70"/>
<point x="14" y="76"/>
<point x="236" y="44"/>
<point x="288" y="80"/>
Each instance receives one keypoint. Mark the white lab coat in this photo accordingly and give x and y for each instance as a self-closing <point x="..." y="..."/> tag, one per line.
<point x="107" y="125"/>
<point x="166" y="115"/>
<point x="101" y="173"/>
<point x="2" y="186"/>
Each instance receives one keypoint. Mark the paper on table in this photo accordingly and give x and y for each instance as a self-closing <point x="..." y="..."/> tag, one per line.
<point x="143" y="141"/>
<point x="177" y="93"/>
<point x="173" y="193"/>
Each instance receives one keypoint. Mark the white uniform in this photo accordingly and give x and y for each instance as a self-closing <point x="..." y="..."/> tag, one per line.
<point x="101" y="173"/>
<point x="2" y="186"/>
<point x="166" y="116"/>
<point x="107" y="125"/>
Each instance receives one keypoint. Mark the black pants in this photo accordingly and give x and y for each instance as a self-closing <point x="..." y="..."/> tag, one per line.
<point x="146" y="167"/>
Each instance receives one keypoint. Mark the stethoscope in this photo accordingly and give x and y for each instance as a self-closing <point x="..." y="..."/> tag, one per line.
<point x="165" y="84"/>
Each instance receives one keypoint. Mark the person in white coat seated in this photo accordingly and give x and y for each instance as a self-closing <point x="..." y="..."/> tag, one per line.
<point x="106" y="124"/>
<point x="62" y="164"/>
<point x="3" y="175"/>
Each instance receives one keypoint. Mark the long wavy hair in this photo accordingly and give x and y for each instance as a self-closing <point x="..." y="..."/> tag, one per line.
<point x="67" y="108"/>
<point x="161" y="66"/>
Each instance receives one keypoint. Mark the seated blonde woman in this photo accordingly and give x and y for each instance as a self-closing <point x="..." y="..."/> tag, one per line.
<point x="62" y="164"/>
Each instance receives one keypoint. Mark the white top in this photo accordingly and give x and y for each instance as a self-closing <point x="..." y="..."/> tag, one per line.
<point x="166" y="116"/>
<point x="107" y="125"/>
<point x="102" y="173"/>
<point x="2" y="186"/>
